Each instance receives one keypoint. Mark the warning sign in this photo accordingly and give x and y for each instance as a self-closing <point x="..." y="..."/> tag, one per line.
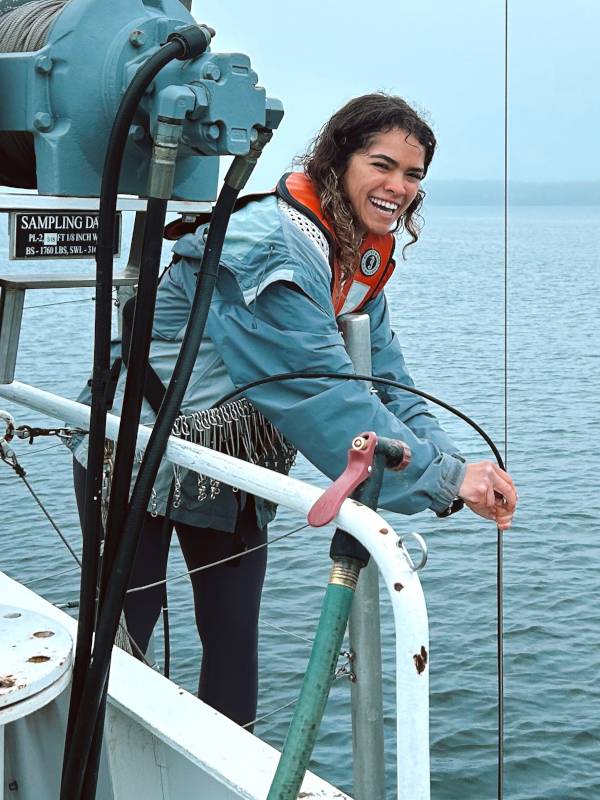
<point x="56" y="234"/>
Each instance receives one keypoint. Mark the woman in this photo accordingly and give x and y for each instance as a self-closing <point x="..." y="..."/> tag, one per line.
<point x="319" y="246"/>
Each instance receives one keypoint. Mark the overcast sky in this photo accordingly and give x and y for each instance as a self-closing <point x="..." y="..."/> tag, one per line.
<point x="446" y="57"/>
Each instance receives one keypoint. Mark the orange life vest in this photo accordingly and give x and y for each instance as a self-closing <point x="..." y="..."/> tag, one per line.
<point x="376" y="263"/>
<point x="375" y="257"/>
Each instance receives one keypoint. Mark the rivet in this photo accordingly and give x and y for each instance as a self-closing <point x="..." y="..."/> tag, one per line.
<point x="137" y="38"/>
<point x="42" y="121"/>
<point x="383" y="530"/>
<point x="398" y="587"/>
<point x="44" y="64"/>
<point x="212" y="132"/>
<point x="211" y="72"/>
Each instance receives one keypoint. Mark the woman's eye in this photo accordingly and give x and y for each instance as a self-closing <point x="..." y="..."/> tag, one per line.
<point x="380" y="165"/>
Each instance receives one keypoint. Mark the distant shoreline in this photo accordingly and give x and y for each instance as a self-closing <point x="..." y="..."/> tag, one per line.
<point x="491" y="193"/>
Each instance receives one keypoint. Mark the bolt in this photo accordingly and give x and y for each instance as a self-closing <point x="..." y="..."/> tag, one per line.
<point x="398" y="587"/>
<point x="211" y="132"/>
<point x="383" y="530"/>
<point x="13" y="786"/>
<point x="137" y="38"/>
<point x="136" y="132"/>
<point x="42" y="121"/>
<point x="44" y="64"/>
<point x="211" y="72"/>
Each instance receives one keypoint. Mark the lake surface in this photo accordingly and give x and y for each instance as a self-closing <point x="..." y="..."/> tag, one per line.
<point x="447" y="304"/>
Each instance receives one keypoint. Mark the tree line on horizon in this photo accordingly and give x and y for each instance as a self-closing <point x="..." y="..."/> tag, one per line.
<point x="491" y="193"/>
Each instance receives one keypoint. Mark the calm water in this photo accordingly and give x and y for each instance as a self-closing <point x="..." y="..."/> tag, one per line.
<point x="447" y="306"/>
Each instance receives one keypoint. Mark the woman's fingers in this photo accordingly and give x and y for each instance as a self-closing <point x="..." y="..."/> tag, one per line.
<point x="490" y="492"/>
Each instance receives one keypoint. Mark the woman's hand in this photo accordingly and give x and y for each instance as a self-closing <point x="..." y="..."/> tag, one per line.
<point x="490" y="492"/>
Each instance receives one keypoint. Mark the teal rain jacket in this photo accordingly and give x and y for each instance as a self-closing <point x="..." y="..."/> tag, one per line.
<point x="272" y="313"/>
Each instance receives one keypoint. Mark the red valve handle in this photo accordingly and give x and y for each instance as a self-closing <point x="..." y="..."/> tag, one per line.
<point x="360" y="461"/>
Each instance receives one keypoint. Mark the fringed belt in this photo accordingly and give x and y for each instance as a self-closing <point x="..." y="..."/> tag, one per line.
<point x="238" y="429"/>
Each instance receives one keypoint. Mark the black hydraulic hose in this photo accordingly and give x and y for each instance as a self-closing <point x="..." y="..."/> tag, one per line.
<point x="141" y="336"/>
<point x="284" y="376"/>
<point x="100" y="384"/>
<point x="137" y="362"/>
<point x="94" y="690"/>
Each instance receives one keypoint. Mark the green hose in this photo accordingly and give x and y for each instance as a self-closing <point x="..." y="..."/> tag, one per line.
<point x="318" y="678"/>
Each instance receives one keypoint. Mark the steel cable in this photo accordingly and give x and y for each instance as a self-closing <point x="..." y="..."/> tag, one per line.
<point x="187" y="573"/>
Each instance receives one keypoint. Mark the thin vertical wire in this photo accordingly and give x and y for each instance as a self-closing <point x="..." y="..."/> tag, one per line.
<point x="506" y="234"/>
<point x="500" y="540"/>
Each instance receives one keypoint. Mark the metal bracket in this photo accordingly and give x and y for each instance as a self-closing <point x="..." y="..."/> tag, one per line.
<point x="12" y="300"/>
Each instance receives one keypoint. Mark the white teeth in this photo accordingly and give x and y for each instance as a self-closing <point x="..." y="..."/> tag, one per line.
<point x="384" y="205"/>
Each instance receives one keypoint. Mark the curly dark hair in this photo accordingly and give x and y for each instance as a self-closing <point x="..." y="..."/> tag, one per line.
<point x="350" y="130"/>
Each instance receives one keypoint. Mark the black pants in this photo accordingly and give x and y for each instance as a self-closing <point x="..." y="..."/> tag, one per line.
<point x="226" y="601"/>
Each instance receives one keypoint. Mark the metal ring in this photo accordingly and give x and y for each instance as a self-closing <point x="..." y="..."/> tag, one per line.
<point x="424" y="552"/>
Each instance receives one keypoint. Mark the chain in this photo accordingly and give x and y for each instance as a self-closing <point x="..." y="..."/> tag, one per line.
<point x="31" y="433"/>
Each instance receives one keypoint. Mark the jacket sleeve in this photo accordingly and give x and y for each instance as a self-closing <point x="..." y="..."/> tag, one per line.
<point x="388" y="362"/>
<point x="285" y="331"/>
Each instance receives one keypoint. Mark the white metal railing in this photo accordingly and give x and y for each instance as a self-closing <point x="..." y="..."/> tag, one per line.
<point x="384" y="545"/>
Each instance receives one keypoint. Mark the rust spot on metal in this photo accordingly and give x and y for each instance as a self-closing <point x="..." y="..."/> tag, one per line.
<point x="43" y="634"/>
<point x="38" y="659"/>
<point x="7" y="681"/>
<point x="420" y="660"/>
<point x="398" y="587"/>
<point x="383" y="530"/>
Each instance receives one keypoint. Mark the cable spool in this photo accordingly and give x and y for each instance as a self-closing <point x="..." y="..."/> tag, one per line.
<point x="23" y="28"/>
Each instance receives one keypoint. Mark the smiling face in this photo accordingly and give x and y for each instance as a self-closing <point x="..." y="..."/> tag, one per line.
<point x="383" y="180"/>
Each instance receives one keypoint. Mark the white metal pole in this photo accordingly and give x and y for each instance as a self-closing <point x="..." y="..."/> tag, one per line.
<point x="365" y="636"/>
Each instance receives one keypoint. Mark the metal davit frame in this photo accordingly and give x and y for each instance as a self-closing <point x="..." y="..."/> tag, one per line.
<point x="384" y="545"/>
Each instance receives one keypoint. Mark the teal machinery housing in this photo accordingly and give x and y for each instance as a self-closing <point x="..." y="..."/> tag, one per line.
<point x="57" y="104"/>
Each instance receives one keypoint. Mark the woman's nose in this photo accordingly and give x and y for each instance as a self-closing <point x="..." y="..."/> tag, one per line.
<point x="396" y="185"/>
